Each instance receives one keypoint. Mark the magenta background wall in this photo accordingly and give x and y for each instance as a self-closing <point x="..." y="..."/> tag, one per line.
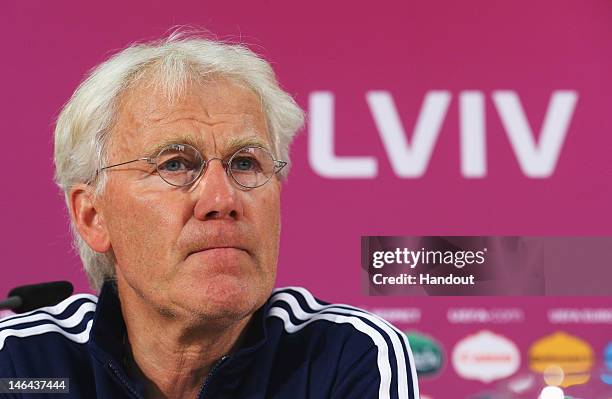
<point x="348" y="49"/>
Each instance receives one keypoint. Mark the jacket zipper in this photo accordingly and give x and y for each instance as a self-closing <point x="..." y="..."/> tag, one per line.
<point x="124" y="381"/>
<point x="209" y="376"/>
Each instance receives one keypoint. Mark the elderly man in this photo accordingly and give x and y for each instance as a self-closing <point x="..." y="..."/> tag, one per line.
<point x="171" y="156"/>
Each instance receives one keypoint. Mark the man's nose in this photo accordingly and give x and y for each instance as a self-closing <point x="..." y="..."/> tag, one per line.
<point x="217" y="195"/>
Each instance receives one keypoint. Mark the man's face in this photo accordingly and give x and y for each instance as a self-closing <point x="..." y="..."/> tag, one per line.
<point x="208" y="250"/>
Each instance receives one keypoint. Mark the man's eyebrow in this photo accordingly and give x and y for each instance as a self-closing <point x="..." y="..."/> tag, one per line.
<point x="233" y="145"/>
<point x="153" y="151"/>
<point x="237" y="143"/>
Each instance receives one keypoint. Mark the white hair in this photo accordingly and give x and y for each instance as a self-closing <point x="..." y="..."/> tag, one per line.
<point x="83" y="127"/>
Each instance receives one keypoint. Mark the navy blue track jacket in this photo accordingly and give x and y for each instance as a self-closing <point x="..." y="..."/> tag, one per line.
<point x="296" y="347"/>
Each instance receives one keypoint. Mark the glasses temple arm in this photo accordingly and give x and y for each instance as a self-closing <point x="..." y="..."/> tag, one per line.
<point x="149" y="160"/>
<point x="279" y="165"/>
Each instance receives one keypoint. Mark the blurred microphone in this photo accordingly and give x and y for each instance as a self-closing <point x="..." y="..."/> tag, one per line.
<point x="29" y="297"/>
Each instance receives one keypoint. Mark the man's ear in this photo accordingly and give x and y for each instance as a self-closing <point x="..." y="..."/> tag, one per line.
<point x="87" y="218"/>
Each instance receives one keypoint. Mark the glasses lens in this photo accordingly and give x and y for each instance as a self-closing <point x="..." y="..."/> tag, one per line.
<point x="251" y="166"/>
<point x="179" y="164"/>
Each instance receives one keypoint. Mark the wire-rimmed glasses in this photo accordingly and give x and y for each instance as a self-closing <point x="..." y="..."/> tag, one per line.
<point x="182" y="164"/>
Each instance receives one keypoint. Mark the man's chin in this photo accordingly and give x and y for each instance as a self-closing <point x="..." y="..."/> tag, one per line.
<point x="221" y="297"/>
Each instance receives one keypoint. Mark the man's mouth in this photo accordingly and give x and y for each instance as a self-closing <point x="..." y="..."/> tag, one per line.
<point x="219" y="249"/>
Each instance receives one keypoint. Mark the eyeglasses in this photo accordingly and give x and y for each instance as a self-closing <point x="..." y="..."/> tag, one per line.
<point x="181" y="164"/>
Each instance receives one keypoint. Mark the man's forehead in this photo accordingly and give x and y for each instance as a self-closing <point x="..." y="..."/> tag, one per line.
<point x="222" y="111"/>
<point x="209" y="101"/>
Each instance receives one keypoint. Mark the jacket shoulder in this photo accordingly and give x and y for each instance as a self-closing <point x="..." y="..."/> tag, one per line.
<point x="298" y="308"/>
<point x="69" y="320"/>
<point x="369" y="343"/>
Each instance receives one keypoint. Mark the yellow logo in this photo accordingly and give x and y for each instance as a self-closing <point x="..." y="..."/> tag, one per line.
<point x="563" y="360"/>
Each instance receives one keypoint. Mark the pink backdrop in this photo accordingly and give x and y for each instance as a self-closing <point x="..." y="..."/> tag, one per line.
<point x="407" y="49"/>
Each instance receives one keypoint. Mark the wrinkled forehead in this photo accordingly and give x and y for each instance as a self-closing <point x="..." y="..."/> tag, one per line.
<point x="213" y="115"/>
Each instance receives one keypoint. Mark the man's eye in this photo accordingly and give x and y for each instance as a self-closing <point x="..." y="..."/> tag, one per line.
<point x="245" y="164"/>
<point x="175" y="165"/>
